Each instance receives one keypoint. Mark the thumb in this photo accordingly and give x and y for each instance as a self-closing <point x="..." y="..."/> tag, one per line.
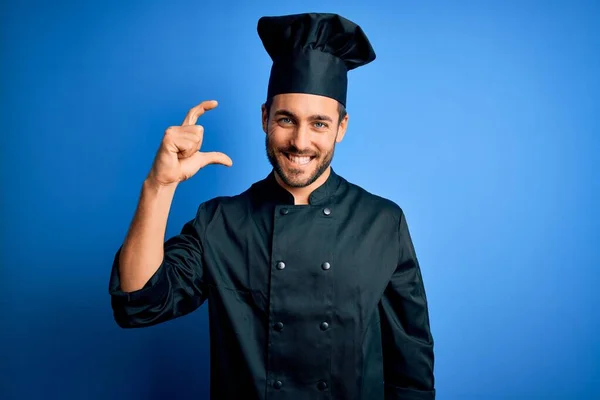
<point x="199" y="160"/>
<point x="214" y="157"/>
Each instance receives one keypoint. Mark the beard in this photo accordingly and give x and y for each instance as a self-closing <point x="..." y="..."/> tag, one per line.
<point x="292" y="177"/>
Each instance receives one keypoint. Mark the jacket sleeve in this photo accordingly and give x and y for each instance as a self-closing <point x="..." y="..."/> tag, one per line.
<point x="176" y="288"/>
<point x="407" y="341"/>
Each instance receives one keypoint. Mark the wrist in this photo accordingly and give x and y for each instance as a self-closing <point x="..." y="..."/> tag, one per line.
<point x="154" y="186"/>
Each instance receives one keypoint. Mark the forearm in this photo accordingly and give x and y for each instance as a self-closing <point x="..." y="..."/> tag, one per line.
<point x="142" y="251"/>
<point x="407" y="337"/>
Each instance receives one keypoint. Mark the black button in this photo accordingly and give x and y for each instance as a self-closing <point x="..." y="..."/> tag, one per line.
<point x="322" y="385"/>
<point x="284" y="211"/>
<point x="326" y="211"/>
<point x="324" y="326"/>
<point x="280" y="265"/>
<point x="278" y="326"/>
<point x="325" y="266"/>
<point x="277" y="384"/>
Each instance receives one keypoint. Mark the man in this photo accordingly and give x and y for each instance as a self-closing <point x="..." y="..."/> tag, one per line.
<point x="313" y="286"/>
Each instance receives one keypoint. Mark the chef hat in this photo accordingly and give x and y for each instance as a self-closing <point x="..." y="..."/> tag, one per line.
<point x="313" y="52"/>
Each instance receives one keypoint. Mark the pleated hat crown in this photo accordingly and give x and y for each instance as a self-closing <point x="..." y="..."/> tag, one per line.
<point x="313" y="52"/>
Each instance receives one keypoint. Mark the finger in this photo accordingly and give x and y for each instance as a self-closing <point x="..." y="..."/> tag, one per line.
<point x="182" y="137"/>
<point x="197" y="111"/>
<point x="189" y="131"/>
<point x="195" y="130"/>
<point x="178" y="130"/>
<point x="185" y="145"/>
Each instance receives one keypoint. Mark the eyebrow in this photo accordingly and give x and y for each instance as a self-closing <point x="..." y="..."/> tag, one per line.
<point x="316" y="117"/>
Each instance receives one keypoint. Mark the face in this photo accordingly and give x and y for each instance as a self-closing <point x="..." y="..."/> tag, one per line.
<point x="302" y="131"/>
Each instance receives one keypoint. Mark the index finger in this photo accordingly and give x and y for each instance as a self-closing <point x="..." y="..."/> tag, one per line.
<point x="197" y="111"/>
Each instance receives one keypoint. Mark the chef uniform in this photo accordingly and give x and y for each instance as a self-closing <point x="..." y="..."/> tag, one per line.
<point x="317" y="301"/>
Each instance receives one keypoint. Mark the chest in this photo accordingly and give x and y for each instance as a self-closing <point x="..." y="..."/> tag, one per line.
<point x="303" y="255"/>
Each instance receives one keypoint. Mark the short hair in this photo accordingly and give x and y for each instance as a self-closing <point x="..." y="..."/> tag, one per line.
<point x="341" y="109"/>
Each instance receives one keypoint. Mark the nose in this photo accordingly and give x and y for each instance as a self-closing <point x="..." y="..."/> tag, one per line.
<point x="301" y="138"/>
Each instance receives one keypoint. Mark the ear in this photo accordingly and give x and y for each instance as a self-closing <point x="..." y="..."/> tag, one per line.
<point x="342" y="129"/>
<point x="265" y="117"/>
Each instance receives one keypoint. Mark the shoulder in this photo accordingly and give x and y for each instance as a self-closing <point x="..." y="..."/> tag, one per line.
<point x="233" y="202"/>
<point x="367" y="200"/>
<point x="232" y="206"/>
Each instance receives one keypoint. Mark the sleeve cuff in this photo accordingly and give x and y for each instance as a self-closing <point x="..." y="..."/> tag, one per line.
<point x="154" y="288"/>
<point x="397" y="393"/>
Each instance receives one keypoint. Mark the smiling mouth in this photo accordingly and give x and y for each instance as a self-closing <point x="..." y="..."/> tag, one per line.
<point x="298" y="160"/>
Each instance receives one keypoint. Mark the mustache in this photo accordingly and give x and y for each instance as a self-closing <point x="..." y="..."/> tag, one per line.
<point x="294" y="151"/>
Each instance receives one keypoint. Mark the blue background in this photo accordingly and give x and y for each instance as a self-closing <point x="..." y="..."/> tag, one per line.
<point x="481" y="119"/>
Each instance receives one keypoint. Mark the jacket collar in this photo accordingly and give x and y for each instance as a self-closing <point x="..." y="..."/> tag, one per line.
<point x="269" y="190"/>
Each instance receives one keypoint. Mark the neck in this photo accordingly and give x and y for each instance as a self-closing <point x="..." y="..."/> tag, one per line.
<point x="302" y="194"/>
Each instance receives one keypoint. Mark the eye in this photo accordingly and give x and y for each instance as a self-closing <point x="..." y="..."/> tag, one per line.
<point x="284" y="120"/>
<point x="321" y="125"/>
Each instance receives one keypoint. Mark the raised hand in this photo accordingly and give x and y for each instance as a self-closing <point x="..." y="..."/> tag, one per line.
<point x="179" y="156"/>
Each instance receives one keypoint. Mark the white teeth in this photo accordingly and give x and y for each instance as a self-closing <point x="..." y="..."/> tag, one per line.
<point x="300" y="160"/>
